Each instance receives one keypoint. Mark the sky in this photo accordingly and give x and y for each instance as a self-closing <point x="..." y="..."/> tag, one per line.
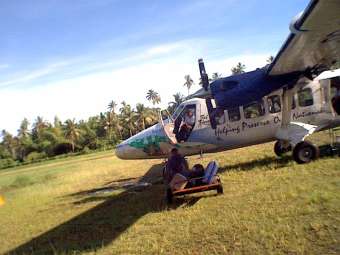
<point x="71" y="58"/>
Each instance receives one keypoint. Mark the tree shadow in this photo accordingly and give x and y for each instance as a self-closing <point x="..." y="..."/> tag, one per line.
<point x="102" y="224"/>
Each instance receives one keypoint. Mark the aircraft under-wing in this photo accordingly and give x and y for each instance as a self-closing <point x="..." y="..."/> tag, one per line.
<point x="284" y="101"/>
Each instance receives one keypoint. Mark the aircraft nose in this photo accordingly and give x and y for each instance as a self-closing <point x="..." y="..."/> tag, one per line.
<point x="122" y="150"/>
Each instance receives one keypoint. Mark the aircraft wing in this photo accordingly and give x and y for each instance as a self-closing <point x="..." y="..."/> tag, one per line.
<point x="314" y="42"/>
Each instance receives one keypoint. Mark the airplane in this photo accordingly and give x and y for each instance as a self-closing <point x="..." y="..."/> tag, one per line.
<point x="285" y="101"/>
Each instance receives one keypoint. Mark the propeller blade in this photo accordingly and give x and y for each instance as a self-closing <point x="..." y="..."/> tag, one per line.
<point x="203" y="73"/>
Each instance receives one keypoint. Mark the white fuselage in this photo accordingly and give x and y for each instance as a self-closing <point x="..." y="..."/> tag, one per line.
<point x="243" y="126"/>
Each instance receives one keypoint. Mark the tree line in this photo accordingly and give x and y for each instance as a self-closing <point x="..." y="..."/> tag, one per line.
<point x="103" y="131"/>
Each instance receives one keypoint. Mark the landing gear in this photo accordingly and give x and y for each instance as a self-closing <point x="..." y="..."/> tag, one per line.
<point x="305" y="152"/>
<point x="281" y="148"/>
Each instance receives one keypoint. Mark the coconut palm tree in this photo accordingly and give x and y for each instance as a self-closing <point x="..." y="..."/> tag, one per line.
<point x="153" y="97"/>
<point x="38" y="127"/>
<point x="238" y="69"/>
<point x="127" y="116"/>
<point x="144" y="116"/>
<point x="188" y="82"/>
<point x="72" y="132"/>
<point x="23" y="130"/>
<point x="216" y="76"/>
<point x="112" y="106"/>
<point x="178" y="99"/>
<point x="270" y="59"/>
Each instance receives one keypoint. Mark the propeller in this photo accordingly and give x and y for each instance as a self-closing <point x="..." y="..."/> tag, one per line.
<point x="204" y="75"/>
<point x="205" y="84"/>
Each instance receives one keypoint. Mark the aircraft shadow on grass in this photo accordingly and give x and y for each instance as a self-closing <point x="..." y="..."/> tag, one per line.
<point x="274" y="162"/>
<point x="102" y="224"/>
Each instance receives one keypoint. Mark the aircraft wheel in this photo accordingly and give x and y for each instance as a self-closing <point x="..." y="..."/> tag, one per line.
<point x="220" y="189"/>
<point x="305" y="152"/>
<point x="169" y="196"/>
<point x="279" y="149"/>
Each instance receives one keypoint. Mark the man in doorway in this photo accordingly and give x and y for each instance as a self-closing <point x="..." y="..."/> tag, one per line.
<point x="187" y="126"/>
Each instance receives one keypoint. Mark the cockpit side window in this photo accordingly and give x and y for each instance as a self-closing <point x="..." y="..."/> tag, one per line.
<point x="305" y="97"/>
<point x="254" y="110"/>
<point x="234" y="114"/>
<point x="274" y="104"/>
<point x="178" y="111"/>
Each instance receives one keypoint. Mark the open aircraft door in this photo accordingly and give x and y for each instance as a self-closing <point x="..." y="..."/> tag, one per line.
<point x="179" y="127"/>
<point x="167" y="123"/>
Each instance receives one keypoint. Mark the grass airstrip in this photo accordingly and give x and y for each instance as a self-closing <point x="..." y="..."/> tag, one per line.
<point x="98" y="204"/>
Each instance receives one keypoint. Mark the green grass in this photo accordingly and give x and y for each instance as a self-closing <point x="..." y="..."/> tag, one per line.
<point x="270" y="206"/>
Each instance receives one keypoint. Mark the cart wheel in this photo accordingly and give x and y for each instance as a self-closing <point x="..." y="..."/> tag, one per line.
<point x="169" y="196"/>
<point x="220" y="189"/>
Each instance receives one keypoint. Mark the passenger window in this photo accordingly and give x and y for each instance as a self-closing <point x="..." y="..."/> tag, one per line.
<point x="234" y="114"/>
<point x="274" y="104"/>
<point x="305" y="97"/>
<point x="219" y="117"/>
<point x="254" y="110"/>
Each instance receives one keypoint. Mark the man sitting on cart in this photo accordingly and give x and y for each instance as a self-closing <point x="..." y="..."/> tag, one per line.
<point x="177" y="165"/>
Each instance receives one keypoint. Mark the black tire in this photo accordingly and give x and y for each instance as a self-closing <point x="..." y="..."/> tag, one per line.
<point x="169" y="196"/>
<point x="280" y="150"/>
<point x="305" y="152"/>
<point x="220" y="189"/>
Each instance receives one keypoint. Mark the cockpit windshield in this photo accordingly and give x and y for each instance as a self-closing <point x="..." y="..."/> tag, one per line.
<point x="178" y="111"/>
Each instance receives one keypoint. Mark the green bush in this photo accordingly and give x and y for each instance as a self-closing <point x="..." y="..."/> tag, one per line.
<point x="36" y="156"/>
<point x="7" y="162"/>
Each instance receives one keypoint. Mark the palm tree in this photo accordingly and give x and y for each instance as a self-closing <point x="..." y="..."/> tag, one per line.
<point x="23" y="130"/>
<point x="238" y="69"/>
<point x="188" y="82"/>
<point x="178" y="99"/>
<point x="270" y="59"/>
<point x="39" y="126"/>
<point x="127" y="117"/>
<point x="72" y="132"/>
<point x="112" y="106"/>
<point x="57" y="122"/>
<point x="153" y="96"/>
<point x="144" y="115"/>
<point x="216" y="76"/>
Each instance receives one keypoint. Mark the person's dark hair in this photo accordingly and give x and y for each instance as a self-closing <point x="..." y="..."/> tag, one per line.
<point x="174" y="150"/>
<point x="198" y="167"/>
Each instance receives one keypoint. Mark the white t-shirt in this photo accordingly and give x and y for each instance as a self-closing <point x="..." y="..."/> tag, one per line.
<point x="189" y="120"/>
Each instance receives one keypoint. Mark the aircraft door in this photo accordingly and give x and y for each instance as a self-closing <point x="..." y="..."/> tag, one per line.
<point x="185" y="123"/>
<point x="335" y="94"/>
<point x="179" y="126"/>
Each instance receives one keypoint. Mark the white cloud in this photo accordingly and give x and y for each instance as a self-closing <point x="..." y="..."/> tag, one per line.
<point x="35" y="74"/>
<point x="87" y="95"/>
